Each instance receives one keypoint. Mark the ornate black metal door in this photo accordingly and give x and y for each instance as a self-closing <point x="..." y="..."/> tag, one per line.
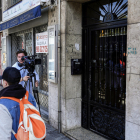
<point x="104" y="76"/>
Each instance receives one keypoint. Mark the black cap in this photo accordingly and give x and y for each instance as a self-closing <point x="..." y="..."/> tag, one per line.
<point x="11" y="75"/>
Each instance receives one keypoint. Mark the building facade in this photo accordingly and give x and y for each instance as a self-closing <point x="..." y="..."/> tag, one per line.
<point x="34" y="19"/>
<point x="102" y="36"/>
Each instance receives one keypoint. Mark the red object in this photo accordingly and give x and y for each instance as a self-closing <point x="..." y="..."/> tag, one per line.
<point x="42" y="49"/>
<point x="123" y="63"/>
<point x="123" y="66"/>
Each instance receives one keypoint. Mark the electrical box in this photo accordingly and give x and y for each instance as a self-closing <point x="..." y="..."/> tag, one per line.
<point x="76" y="66"/>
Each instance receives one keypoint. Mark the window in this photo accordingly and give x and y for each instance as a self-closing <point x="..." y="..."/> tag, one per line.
<point x="10" y="3"/>
<point x="101" y="11"/>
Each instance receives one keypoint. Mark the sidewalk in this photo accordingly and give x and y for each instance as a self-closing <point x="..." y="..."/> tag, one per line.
<point x="83" y="134"/>
<point x="52" y="134"/>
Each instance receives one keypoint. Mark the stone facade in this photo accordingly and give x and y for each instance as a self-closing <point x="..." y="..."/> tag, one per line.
<point x="53" y="88"/>
<point x="71" y="33"/>
<point x="133" y="71"/>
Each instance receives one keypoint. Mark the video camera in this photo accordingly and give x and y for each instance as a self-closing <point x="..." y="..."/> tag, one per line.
<point x="30" y="62"/>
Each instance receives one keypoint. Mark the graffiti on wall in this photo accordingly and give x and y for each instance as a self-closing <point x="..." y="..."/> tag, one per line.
<point x="132" y="51"/>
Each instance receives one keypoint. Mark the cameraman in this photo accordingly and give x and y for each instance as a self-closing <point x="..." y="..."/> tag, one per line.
<point x="24" y="78"/>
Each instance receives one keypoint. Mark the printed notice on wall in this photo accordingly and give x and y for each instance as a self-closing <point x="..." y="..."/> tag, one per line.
<point x="77" y="46"/>
<point x="42" y="42"/>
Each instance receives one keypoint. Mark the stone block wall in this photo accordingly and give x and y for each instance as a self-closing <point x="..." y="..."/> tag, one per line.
<point x="133" y="72"/>
<point x="71" y="33"/>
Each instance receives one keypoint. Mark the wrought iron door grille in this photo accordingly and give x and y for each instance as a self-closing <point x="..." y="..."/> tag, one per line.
<point x="103" y="103"/>
<point x="104" y="69"/>
<point x="108" y="67"/>
<point x="101" y="11"/>
<point x="104" y="121"/>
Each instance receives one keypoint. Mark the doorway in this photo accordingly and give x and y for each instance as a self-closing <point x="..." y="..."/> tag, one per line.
<point x="104" y="70"/>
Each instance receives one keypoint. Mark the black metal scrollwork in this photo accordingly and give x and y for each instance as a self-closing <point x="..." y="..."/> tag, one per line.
<point x="84" y="115"/>
<point x="108" y="122"/>
<point x="104" y="79"/>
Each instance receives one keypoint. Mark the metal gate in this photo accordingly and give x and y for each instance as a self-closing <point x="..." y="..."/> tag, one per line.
<point x="26" y="40"/>
<point x="21" y="40"/>
<point x="104" y="71"/>
<point x="42" y="70"/>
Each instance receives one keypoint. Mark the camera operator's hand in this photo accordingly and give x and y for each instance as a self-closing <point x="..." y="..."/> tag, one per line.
<point x="26" y="78"/>
<point x="36" y="83"/>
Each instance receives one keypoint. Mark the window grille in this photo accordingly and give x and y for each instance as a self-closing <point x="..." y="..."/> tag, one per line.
<point x="23" y="40"/>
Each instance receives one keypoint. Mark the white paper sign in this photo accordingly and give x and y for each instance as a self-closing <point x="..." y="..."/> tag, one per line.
<point x="42" y="42"/>
<point x="77" y="46"/>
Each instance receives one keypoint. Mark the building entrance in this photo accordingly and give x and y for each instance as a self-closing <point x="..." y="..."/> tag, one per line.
<point x="104" y="74"/>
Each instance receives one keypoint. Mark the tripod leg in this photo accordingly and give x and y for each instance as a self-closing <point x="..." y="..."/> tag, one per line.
<point x="34" y="90"/>
<point x="36" y="94"/>
<point x="29" y="87"/>
<point x="38" y="101"/>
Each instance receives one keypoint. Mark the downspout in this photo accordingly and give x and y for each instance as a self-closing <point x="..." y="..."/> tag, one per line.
<point x="59" y="68"/>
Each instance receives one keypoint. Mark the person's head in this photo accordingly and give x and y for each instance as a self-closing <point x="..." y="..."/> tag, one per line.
<point x="20" y="53"/>
<point x="10" y="76"/>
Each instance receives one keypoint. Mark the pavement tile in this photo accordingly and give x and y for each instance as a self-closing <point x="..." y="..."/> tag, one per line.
<point x="54" y="135"/>
<point x="83" y="134"/>
<point x="49" y="128"/>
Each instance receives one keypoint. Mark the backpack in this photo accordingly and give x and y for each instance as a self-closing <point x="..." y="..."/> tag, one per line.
<point x="31" y="125"/>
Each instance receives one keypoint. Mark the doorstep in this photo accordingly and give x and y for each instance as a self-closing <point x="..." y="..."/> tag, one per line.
<point x="83" y="134"/>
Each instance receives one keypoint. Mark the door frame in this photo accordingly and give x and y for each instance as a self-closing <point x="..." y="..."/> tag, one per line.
<point x="86" y="46"/>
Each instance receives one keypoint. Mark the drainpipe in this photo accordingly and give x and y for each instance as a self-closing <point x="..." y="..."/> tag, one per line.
<point x="59" y="68"/>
